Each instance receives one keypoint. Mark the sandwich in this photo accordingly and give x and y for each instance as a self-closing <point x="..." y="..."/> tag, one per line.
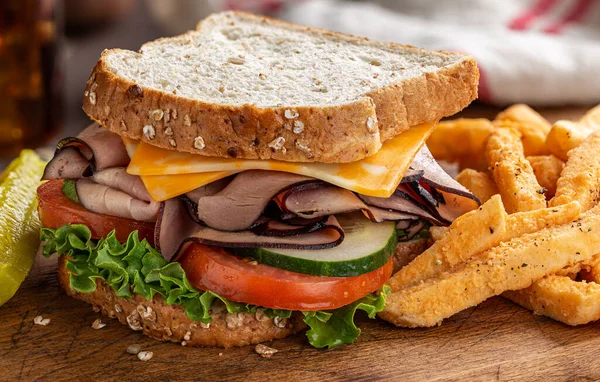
<point x="251" y="179"/>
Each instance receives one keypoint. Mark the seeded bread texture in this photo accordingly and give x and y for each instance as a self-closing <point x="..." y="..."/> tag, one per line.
<point x="170" y="323"/>
<point x="256" y="88"/>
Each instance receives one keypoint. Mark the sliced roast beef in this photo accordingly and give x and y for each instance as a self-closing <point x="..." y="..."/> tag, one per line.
<point x="119" y="179"/>
<point x="423" y="193"/>
<point x="243" y="200"/>
<point x="412" y="175"/>
<point x="378" y="215"/>
<point x="69" y="163"/>
<point x="401" y="202"/>
<point x="109" y="201"/>
<point x="271" y="227"/>
<point x="209" y="189"/>
<point x="175" y="229"/>
<point x="411" y="230"/>
<point x="98" y="147"/>
<point x="455" y="206"/>
<point x="323" y="201"/>
<point x="434" y="175"/>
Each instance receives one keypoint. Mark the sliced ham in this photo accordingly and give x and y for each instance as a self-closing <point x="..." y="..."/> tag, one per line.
<point x="109" y="201"/>
<point x="94" y="149"/>
<point x="175" y="230"/>
<point x="242" y="201"/>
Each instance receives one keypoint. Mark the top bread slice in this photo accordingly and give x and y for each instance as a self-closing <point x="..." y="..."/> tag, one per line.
<point x="256" y="88"/>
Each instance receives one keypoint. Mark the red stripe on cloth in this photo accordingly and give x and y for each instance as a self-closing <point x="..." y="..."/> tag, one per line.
<point x="525" y="19"/>
<point x="577" y="12"/>
<point x="485" y="93"/>
<point x="253" y="5"/>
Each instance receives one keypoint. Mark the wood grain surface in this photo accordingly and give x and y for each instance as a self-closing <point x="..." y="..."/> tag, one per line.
<point x="496" y="340"/>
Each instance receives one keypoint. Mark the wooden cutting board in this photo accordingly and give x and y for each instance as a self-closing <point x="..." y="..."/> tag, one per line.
<point x="495" y="341"/>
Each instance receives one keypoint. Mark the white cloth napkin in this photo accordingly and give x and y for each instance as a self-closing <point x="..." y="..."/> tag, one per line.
<point x="540" y="52"/>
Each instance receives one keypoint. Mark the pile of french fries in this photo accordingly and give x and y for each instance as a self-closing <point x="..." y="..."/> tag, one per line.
<point x="536" y="238"/>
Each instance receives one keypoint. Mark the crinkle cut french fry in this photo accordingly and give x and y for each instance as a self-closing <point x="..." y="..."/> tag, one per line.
<point x="547" y="169"/>
<point x="459" y="140"/>
<point x="479" y="183"/>
<point x="533" y="127"/>
<point x="509" y="266"/>
<point x="561" y="298"/>
<point x="580" y="179"/>
<point x="456" y="245"/>
<point x="513" y="174"/>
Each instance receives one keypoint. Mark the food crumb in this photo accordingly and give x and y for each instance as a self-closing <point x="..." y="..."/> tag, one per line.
<point x="98" y="324"/>
<point x="438" y="262"/>
<point x="265" y="351"/>
<point x="39" y="320"/>
<point x="145" y="355"/>
<point x="134" y="349"/>
<point x="220" y="354"/>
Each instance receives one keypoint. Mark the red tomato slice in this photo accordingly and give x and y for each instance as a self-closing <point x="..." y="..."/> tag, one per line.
<point x="56" y="210"/>
<point x="235" y="278"/>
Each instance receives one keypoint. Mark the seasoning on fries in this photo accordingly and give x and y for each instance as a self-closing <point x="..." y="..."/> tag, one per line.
<point x="513" y="174"/>
<point x="545" y="256"/>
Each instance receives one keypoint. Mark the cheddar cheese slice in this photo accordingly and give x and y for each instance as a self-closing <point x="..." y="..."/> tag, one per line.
<point x="168" y="173"/>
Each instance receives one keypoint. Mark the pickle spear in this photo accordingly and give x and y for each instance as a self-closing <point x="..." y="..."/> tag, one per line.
<point x="19" y="222"/>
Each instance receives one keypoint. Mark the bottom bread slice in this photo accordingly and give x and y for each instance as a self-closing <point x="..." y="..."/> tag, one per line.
<point x="170" y="323"/>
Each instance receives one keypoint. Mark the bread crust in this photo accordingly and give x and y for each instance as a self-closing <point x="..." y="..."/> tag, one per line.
<point x="170" y="323"/>
<point x="331" y="134"/>
<point x="406" y="252"/>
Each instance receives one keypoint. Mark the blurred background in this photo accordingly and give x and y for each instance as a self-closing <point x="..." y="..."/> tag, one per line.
<point x="542" y="52"/>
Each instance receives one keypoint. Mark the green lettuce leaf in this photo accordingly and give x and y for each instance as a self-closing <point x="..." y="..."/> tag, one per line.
<point x="70" y="191"/>
<point x="336" y="327"/>
<point x="136" y="267"/>
<point x="130" y="267"/>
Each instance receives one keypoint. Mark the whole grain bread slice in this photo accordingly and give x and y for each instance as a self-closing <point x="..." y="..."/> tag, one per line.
<point x="165" y="322"/>
<point x="256" y="88"/>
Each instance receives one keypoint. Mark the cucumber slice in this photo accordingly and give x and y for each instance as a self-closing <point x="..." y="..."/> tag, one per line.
<point x="366" y="247"/>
